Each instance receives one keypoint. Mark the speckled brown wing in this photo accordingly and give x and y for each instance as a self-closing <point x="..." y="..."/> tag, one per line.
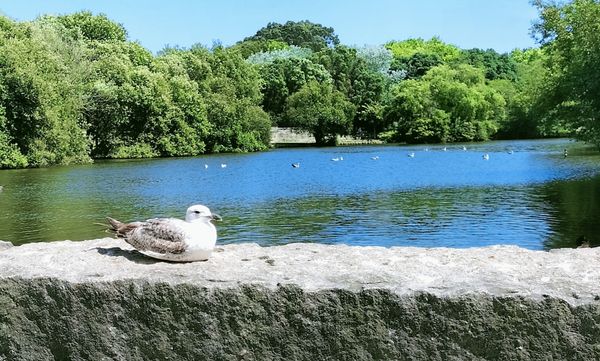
<point x="121" y="229"/>
<point x="160" y="235"/>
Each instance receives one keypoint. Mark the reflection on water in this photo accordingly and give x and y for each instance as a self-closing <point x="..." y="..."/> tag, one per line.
<point x="454" y="217"/>
<point x="526" y="194"/>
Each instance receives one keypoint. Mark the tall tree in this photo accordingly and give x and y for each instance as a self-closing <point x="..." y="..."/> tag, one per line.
<point x="523" y="118"/>
<point x="94" y="27"/>
<point x="362" y="85"/>
<point x="233" y="96"/>
<point x="446" y="105"/>
<point x="321" y="110"/>
<point x="569" y="34"/>
<point x="282" y="78"/>
<point x="304" y="34"/>
<point x="42" y="71"/>
<point x="496" y="66"/>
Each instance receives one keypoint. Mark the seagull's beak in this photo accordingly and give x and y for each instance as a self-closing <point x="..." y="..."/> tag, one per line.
<point x="215" y="217"/>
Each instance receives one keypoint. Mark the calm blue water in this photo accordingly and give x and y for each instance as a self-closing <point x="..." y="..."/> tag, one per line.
<point x="526" y="194"/>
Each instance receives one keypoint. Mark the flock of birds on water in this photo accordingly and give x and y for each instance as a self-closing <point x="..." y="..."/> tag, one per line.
<point x="485" y="156"/>
<point x="194" y="238"/>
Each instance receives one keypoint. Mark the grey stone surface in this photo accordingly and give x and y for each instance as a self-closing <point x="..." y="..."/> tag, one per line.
<point x="5" y="245"/>
<point x="572" y="275"/>
<point x="101" y="300"/>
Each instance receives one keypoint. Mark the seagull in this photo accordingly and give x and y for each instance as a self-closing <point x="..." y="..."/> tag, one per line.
<point x="335" y="159"/>
<point x="411" y="154"/>
<point x="375" y="157"/>
<point x="464" y="148"/>
<point x="206" y="166"/>
<point x="296" y="165"/>
<point x="444" y="149"/>
<point x="223" y="165"/>
<point x="172" y="239"/>
<point x="486" y="156"/>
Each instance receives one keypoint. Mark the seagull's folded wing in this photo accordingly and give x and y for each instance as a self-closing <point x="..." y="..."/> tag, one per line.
<point x="160" y="235"/>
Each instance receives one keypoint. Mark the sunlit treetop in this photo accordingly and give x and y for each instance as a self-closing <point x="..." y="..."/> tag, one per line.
<point x="94" y="27"/>
<point x="409" y="47"/>
<point x="304" y="34"/>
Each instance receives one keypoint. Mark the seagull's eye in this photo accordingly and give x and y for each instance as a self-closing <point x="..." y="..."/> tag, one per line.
<point x="197" y="212"/>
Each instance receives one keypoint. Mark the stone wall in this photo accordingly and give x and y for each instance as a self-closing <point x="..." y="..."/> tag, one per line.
<point x="283" y="136"/>
<point x="99" y="299"/>
<point x="292" y="137"/>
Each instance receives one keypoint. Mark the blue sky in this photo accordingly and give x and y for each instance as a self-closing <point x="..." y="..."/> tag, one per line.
<point x="499" y="24"/>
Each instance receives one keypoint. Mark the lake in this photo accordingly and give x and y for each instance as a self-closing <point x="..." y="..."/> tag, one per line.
<point x="527" y="193"/>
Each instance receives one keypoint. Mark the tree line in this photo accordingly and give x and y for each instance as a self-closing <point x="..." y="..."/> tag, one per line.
<point x="73" y="88"/>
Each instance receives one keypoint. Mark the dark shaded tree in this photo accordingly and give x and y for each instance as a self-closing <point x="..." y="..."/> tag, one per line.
<point x="417" y="64"/>
<point x="362" y="85"/>
<point x="321" y="110"/>
<point x="568" y="33"/>
<point x="284" y="77"/>
<point x="495" y="65"/>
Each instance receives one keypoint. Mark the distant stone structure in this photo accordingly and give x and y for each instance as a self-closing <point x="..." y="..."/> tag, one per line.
<point x="291" y="136"/>
<point x="281" y="136"/>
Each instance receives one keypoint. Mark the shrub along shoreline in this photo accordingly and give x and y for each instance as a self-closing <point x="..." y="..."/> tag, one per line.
<point x="73" y="88"/>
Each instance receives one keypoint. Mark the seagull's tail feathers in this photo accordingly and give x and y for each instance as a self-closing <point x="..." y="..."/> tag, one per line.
<point x="119" y="228"/>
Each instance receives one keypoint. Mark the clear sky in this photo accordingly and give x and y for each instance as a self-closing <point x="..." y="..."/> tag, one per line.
<point x="499" y="24"/>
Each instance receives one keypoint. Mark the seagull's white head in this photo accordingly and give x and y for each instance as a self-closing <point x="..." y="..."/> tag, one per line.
<point x="200" y="212"/>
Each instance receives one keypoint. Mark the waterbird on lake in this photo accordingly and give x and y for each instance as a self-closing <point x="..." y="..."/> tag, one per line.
<point x="565" y="153"/>
<point x="223" y="165"/>
<point x="375" y="157"/>
<point x="172" y="239"/>
<point x="444" y="149"/>
<point x="206" y="166"/>
<point x="486" y="156"/>
<point x="411" y="154"/>
<point x="335" y="159"/>
<point x="464" y="148"/>
<point x="295" y="165"/>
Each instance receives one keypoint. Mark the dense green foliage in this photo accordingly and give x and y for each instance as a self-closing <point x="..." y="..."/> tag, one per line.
<point x="447" y="104"/>
<point x="496" y="66"/>
<point x="302" y="33"/>
<point x="73" y="88"/>
<point x="569" y="37"/>
<point x="321" y="110"/>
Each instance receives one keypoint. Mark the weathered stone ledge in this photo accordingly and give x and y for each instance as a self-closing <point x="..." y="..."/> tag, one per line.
<point x="100" y="299"/>
<point x="572" y="275"/>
